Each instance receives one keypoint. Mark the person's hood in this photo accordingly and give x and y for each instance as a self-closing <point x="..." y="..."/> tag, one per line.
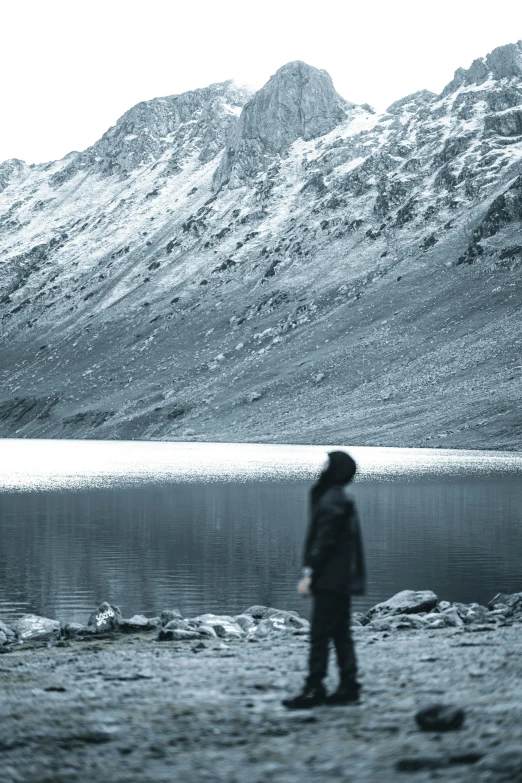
<point x="340" y="470"/>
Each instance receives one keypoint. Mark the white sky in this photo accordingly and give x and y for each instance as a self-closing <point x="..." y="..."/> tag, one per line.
<point x="70" y="68"/>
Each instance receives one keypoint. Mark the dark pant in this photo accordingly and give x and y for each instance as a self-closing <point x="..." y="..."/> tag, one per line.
<point x="331" y="620"/>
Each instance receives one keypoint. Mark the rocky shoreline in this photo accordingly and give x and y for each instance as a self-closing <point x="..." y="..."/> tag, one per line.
<point x="193" y="699"/>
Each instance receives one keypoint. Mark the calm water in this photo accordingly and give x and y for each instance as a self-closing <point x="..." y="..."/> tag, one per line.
<point x="218" y="527"/>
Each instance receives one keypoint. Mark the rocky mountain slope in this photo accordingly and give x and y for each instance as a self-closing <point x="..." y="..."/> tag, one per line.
<point x="279" y="266"/>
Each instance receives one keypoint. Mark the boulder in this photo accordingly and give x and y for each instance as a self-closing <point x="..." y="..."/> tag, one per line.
<point x="497" y="616"/>
<point x="440" y="717"/>
<point x="470" y="613"/>
<point x="512" y="601"/>
<point x="207" y="630"/>
<point x="279" y="624"/>
<point x="106" y="618"/>
<point x="405" y="602"/>
<point x="6" y="631"/>
<point x="3" y="638"/>
<point x="500" y="607"/>
<point x="170" y="614"/>
<point x="452" y="617"/>
<point x="31" y="628"/>
<point x="439" y="622"/>
<point x="245" y="621"/>
<point x="223" y="625"/>
<point x="177" y="635"/>
<point x="300" y="625"/>
<point x="289" y="618"/>
<point x="474" y="613"/>
<point x="139" y="623"/>
<point x="180" y="625"/>
<point x="271" y="612"/>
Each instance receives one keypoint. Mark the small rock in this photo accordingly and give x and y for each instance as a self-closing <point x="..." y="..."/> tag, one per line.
<point x="271" y="612"/>
<point x="138" y="623"/>
<point x="277" y="624"/>
<point x="452" y="618"/>
<point x="207" y="630"/>
<point x="318" y="377"/>
<point x="440" y="717"/>
<point x="183" y="625"/>
<point x="405" y="602"/>
<point x="438" y="623"/>
<point x="31" y="627"/>
<point x="245" y="621"/>
<point x="397" y="622"/>
<point x="105" y="618"/>
<point x="416" y="763"/>
<point x="253" y="396"/>
<point x="223" y="625"/>
<point x="177" y="635"/>
<point x="170" y="614"/>
<point x="7" y="631"/>
<point x="513" y="601"/>
<point x="77" y="629"/>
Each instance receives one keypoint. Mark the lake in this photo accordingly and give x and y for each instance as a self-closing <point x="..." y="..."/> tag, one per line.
<point x="219" y="527"/>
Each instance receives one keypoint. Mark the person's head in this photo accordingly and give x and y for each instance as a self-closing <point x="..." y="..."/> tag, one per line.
<point x="338" y="470"/>
<point x="341" y="467"/>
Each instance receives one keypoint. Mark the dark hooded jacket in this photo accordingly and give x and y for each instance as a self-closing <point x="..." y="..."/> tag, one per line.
<point x="334" y="548"/>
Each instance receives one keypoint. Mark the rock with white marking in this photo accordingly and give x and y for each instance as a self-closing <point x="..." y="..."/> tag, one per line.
<point x="106" y="618"/>
<point x="31" y="628"/>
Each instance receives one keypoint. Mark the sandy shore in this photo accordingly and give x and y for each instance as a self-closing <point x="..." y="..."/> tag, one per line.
<point x="133" y="709"/>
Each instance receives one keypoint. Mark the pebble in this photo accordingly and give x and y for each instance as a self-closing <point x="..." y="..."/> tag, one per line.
<point x="440" y="717"/>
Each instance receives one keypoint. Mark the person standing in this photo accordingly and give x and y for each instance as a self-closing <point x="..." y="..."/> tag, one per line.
<point x="334" y="570"/>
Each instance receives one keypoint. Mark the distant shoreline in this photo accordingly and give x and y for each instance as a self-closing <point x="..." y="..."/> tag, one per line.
<point x="406" y="610"/>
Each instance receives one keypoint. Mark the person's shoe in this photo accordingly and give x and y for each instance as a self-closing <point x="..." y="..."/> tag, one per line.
<point x="310" y="697"/>
<point x="346" y="693"/>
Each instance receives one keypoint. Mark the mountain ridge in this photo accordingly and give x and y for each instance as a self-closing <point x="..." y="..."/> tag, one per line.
<point x="219" y="276"/>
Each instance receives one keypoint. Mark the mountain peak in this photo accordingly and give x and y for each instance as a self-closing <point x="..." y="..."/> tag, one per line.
<point x="298" y="101"/>
<point x="11" y="169"/>
<point x="172" y="125"/>
<point x="503" y="62"/>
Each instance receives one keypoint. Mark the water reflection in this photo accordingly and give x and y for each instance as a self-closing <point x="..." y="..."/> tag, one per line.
<point x="222" y="546"/>
<point x="60" y="464"/>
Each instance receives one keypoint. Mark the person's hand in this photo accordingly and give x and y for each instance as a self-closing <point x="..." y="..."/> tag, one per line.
<point x="303" y="587"/>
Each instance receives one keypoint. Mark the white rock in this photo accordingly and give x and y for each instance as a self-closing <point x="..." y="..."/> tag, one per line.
<point x="31" y="627"/>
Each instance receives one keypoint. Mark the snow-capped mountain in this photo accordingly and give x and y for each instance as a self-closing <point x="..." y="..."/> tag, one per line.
<point x="280" y="266"/>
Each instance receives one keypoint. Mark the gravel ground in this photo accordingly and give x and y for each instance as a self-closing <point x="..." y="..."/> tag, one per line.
<point x="132" y="709"/>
